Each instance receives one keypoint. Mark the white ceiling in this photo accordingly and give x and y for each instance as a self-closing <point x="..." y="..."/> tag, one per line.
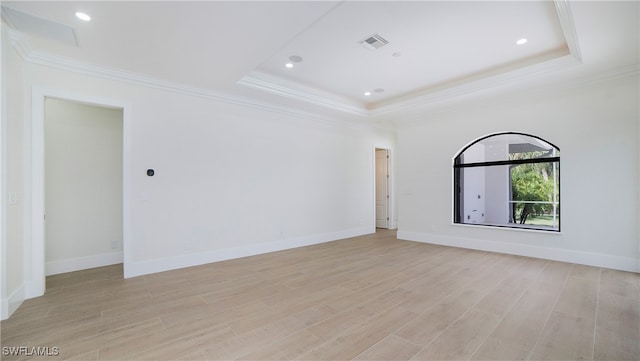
<point x="430" y="44"/>
<point x="241" y="47"/>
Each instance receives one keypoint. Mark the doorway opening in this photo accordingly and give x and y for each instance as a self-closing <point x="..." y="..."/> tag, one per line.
<point x="83" y="186"/>
<point x="35" y="261"/>
<point x="382" y="189"/>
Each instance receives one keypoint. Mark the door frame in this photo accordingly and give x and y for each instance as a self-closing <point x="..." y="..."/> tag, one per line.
<point x="391" y="204"/>
<point x="34" y="246"/>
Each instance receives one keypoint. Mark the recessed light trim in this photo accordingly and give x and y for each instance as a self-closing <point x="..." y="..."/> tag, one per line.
<point x="83" y="16"/>
<point x="295" y="58"/>
<point x="367" y="94"/>
<point x="289" y="65"/>
<point x="522" y="41"/>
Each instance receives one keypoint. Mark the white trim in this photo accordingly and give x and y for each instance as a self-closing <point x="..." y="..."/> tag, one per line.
<point x="475" y="87"/>
<point x="39" y="58"/>
<point x="4" y="313"/>
<point x="4" y="309"/>
<point x="279" y="86"/>
<point x="430" y="98"/>
<point x="431" y="108"/>
<point x="33" y="252"/>
<point x="435" y="95"/>
<point x="34" y="246"/>
<point x="11" y="303"/>
<point x="556" y="254"/>
<point x="257" y="81"/>
<point x="80" y="263"/>
<point x="276" y="85"/>
<point x="568" y="27"/>
<point x="196" y="259"/>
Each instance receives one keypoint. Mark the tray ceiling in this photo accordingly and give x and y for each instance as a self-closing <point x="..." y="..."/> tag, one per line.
<point x="358" y="57"/>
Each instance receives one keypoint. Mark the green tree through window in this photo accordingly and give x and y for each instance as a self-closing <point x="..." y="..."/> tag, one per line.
<point x="534" y="191"/>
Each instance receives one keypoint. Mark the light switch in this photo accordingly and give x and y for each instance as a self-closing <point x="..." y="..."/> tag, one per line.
<point x="144" y="196"/>
<point x="13" y="198"/>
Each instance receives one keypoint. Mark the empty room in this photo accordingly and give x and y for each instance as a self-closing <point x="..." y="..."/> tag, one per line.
<point x="320" y="180"/>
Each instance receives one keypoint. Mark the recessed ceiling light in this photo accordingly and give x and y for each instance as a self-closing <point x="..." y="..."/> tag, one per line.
<point x="521" y="41"/>
<point x="367" y="93"/>
<point x="289" y="65"/>
<point x="82" y="16"/>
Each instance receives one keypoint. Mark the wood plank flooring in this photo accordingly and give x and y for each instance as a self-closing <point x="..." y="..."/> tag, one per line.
<point x="365" y="298"/>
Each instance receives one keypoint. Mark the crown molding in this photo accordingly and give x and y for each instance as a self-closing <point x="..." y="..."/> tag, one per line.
<point x="445" y="92"/>
<point x="448" y="92"/>
<point x="21" y="44"/>
<point x="428" y="100"/>
<point x="18" y="42"/>
<point x="478" y="87"/>
<point x="568" y="28"/>
<point x="274" y="85"/>
<point x="547" y="90"/>
<point x="271" y="84"/>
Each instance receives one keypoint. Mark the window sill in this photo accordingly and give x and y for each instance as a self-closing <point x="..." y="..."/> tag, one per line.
<point x="508" y="228"/>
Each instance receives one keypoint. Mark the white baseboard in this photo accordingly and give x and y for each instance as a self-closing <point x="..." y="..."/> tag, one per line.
<point x="133" y="269"/>
<point x="11" y="304"/>
<point x="80" y="263"/>
<point x="556" y="254"/>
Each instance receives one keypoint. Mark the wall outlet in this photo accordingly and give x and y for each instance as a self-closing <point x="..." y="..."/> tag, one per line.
<point x="114" y="244"/>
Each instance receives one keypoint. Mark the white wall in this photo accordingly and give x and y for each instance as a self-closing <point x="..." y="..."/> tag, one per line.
<point x="83" y="186"/>
<point x="596" y="129"/>
<point x="13" y="273"/>
<point x="231" y="179"/>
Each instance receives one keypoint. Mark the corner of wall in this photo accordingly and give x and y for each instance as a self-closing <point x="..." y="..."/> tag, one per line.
<point x="81" y="263"/>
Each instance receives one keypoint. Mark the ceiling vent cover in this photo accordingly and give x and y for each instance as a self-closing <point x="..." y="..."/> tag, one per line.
<point x="30" y="24"/>
<point x="373" y="42"/>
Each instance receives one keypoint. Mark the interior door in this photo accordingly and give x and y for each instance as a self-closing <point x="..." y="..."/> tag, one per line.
<point x="382" y="188"/>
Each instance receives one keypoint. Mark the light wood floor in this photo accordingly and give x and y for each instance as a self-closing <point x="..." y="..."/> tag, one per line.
<point x="364" y="298"/>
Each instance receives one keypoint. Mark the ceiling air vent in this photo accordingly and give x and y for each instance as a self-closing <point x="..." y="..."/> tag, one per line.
<point x="34" y="25"/>
<point x="373" y="42"/>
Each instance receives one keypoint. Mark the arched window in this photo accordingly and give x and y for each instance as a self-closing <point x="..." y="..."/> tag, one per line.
<point x="508" y="180"/>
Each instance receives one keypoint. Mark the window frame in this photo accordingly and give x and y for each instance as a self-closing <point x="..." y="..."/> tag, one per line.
<point x="458" y="182"/>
